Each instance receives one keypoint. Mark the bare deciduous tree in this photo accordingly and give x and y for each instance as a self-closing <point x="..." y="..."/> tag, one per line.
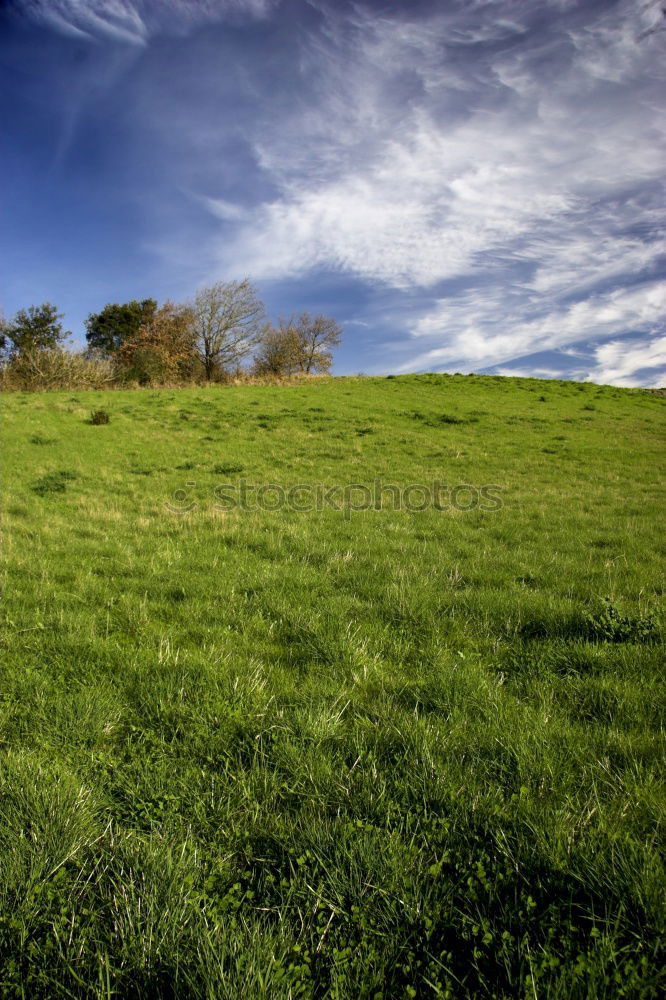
<point x="297" y="346"/>
<point x="227" y="322"/>
<point x="316" y="336"/>
<point x="279" y="350"/>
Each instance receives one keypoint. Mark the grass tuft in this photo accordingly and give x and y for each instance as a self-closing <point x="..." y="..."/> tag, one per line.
<point x="53" y="482"/>
<point x="98" y="417"/>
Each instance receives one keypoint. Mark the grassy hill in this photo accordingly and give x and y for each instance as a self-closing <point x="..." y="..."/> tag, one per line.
<point x="333" y="753"/>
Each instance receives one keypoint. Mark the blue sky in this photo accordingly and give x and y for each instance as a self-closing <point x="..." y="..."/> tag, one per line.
<point x="473" y="185"/>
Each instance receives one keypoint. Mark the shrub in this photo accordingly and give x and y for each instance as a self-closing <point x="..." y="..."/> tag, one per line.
<point x="55" y="368"/>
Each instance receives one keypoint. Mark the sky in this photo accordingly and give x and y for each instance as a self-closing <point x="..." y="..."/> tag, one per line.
<point x="465" y="185"/>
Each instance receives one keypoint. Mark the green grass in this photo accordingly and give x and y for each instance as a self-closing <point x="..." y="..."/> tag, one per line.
<point x="336" y="754"/>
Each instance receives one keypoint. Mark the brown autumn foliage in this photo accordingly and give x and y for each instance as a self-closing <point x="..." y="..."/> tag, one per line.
<point x="279" y="351"/>
<point x="48" y="369"/>
<point x="163" y="349"/>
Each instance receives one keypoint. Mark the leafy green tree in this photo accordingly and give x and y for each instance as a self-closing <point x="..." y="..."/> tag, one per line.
<point x="107" y="331"/>
<point x="36" y="328"/>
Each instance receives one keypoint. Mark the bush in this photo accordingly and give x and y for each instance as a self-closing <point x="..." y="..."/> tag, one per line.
<point x="55" y="368"/>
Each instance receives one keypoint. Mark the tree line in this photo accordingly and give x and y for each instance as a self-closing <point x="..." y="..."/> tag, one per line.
<point x="223" y="333"/>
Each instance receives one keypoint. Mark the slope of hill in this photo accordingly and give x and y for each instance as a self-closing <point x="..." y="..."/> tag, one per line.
<point x="395" y="733"/>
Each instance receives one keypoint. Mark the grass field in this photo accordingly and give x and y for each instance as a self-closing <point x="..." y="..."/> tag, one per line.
<point x="378" y="753"/>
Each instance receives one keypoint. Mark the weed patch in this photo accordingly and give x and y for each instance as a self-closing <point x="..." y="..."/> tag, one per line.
<point x="227" y="469"/>
<point x="604" y="624"/>
<point x="608" y="624"/>
<point x="53" y="482"/>
<point x="99" y="417"/>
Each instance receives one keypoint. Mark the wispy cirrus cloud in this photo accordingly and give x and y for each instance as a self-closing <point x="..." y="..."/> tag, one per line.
<point x="134" y="21"/>
<point x="521" y="157"/>
<point x="619" y="362"/>
<point x="481" y="334"/>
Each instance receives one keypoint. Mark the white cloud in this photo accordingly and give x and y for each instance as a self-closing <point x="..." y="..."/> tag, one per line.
<point x="134" y="21"/>
<point x="118" y="20"/>
<point x="618" y="362"/>
<point x="420" y="212"/>
<point x="228" y="211"/>
<point x="516" y="166"/>
<point x="529" y="169"/>
<point x="480" y="334"/>
<point x="533" y="372"/>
